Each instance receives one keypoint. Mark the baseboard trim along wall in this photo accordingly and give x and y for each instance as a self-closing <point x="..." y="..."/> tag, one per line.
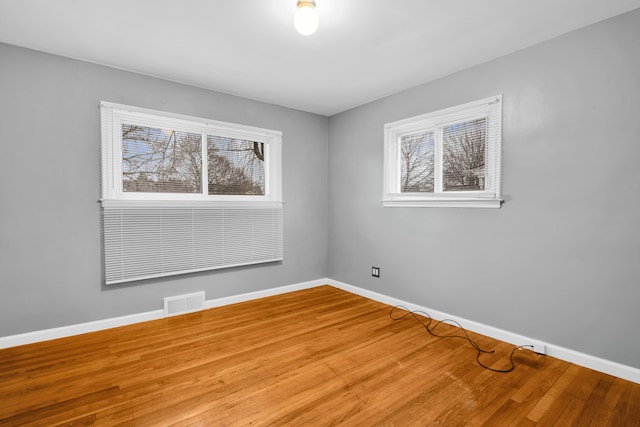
<point x="602" y="365"/>
<point x="597" y="364"/>
<point x="98" y="325"/>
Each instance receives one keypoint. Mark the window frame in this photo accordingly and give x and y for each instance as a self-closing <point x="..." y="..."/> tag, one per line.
<point x="112" y="195"/>
<point x="489" y="108"/>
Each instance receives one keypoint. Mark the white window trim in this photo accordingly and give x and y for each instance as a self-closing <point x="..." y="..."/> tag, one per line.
<point x="112" y="117"/>
<point x="490" y="198"/>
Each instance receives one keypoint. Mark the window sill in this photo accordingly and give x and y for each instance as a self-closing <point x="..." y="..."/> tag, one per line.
<point x="133" y="204"/>
<point x="443" y="203"/>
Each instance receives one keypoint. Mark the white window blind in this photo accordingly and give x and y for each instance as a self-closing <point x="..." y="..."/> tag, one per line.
<point x="182" y="194"/>
<point x="143" y="243"/>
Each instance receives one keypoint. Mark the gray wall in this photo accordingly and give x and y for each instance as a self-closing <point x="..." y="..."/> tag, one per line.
<point x="560" y="261"/>
<point x="50" y="248"/>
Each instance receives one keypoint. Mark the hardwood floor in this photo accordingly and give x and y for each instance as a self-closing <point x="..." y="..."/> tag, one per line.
<point x="320" y="356"/>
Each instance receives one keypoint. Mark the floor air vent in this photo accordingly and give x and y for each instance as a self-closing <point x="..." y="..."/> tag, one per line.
<point x="181" y="304"/>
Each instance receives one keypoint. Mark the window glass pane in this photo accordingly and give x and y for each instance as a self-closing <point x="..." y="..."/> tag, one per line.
<point x="160" y="160"/>
<point x="464" y="152"/>
<point x="416" y="156"/>
<point x="236" y="166"/>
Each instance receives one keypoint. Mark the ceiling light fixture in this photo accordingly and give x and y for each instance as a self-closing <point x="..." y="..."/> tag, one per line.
<point x="306" y="18"/>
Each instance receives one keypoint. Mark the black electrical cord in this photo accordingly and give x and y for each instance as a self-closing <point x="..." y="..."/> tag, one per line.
<point x="466" y="336"/>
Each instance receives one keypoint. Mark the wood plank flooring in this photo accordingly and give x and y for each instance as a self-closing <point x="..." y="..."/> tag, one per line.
<point x="315" y="357"/>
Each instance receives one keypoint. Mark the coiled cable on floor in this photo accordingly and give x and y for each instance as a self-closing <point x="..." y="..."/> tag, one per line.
<point x="430" y="329"/>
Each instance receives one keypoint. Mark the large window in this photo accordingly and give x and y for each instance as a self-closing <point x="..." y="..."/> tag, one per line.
<point x="183" y="194"/>
<point x="152" y="155"/>
<point x="446" y="158"/>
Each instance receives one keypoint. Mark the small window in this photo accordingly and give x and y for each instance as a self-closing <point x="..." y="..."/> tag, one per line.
<point x="446" y="158"/>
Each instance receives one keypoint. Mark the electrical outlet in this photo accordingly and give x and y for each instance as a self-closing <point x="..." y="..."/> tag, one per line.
<point x="537" y="347"/>
<point x="375" y="271"/>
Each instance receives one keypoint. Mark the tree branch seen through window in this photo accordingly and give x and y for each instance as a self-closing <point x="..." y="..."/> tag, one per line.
<point x="168" y="161"/>
<point x="160" y="160"/>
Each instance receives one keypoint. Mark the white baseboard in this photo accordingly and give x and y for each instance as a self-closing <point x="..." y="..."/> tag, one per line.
<point x="98" y="325"/>
<point x="602" y="365"/>
<point x="80" y="328"/>
<point x="264" y="293"/>
<point x="619" y="370"/>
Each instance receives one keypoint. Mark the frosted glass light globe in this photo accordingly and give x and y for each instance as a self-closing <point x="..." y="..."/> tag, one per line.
<point x="306" y="20"/>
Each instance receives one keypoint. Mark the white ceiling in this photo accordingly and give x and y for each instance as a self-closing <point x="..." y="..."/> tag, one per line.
<point x="363" y="50"/>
